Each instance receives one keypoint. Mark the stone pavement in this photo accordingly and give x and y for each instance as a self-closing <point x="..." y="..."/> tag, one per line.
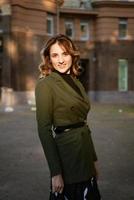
<point x="24" y="173"/>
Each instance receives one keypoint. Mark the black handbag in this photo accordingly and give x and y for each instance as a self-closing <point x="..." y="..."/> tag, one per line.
<point x="59" y="196"/>
<point x="92" y="192"/>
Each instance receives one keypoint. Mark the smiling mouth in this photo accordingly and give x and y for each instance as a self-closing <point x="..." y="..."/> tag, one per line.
<point x="61" y="66"/>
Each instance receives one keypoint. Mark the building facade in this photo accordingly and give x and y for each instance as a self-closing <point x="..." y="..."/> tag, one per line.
<point x="102" y="30"/>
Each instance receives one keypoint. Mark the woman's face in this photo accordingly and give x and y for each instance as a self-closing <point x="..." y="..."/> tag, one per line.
<point x="60" y="59"/>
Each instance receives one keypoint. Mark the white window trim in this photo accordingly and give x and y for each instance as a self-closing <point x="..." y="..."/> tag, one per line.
<point x="87" y="36"/>
<point x="72" y="26"/>
<point x="50" y="18"/>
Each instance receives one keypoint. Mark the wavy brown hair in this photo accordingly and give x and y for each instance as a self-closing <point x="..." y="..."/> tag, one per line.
<point x="46" y="67"/>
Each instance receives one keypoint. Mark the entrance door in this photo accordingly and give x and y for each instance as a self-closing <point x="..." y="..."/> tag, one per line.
<point x="84" y="77"/>
<point x="123" y="75"/>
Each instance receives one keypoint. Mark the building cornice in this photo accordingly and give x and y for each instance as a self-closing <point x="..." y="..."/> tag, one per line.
<point x="34" y="8"/>
<point x="112" y="3"/>
<point x="78" y="11"/>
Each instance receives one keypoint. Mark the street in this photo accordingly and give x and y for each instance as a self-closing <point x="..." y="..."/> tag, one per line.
<point x="24" y="174"/>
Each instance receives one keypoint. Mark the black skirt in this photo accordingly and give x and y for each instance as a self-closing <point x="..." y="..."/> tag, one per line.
<point x="87" y="190"/>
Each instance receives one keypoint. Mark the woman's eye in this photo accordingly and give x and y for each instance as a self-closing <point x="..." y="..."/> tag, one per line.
<point x="54" y="55"/>
<point x="65" y="54"/>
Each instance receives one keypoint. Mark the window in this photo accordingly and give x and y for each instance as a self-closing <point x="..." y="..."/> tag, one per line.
<point x="123" y="75"/>
<point x="50" y="26"/>
<point x="122" y="28"/>
<point x="85" y="4"/>
<point x="69" y="29"/>
<point x="84" y="31"/>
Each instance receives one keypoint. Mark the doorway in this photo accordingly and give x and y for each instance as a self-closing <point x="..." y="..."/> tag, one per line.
<point x="84" y="77"/>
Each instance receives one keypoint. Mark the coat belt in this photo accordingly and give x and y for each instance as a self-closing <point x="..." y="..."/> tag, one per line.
<point x="62" y="129"/>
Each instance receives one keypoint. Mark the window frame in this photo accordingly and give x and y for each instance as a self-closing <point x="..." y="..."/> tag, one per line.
<point x="122" y="21"/>
<point x="72" y="28"/>
<point x="85" y="38"/>
<point x="51" y="20"/>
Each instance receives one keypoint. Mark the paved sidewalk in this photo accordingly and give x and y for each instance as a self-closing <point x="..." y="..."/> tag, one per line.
<point x="24" y="174"/>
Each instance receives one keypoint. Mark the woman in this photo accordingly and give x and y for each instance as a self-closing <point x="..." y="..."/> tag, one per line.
<point x="62" y="108"/>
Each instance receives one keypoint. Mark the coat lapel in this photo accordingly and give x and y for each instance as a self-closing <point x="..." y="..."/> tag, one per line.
<point x="66" y="87"/>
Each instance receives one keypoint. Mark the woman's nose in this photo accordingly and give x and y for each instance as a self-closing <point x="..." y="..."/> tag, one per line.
<point x="61" y="60"/>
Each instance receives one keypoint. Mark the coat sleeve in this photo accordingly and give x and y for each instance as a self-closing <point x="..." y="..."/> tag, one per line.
<point x="92" y="144"/>
<point x="44" y="116"/>
<point x="93" y="150"/>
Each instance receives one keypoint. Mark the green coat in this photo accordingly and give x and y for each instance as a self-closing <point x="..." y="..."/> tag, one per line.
<point x="72" y="153"/>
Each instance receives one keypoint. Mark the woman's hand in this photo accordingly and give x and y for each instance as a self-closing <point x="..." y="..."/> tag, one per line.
<point x="57" y="183"/>
<point x="96" y="169"/>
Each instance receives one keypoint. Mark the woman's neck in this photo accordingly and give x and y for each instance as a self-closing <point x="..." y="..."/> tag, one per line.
<point x="67" y="72"/>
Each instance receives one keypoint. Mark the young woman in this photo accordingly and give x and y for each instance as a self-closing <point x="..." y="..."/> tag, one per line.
<point x="62" y="108"/>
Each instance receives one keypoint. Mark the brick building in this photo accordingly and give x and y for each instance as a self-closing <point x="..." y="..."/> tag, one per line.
<point x="103" y="31"/>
